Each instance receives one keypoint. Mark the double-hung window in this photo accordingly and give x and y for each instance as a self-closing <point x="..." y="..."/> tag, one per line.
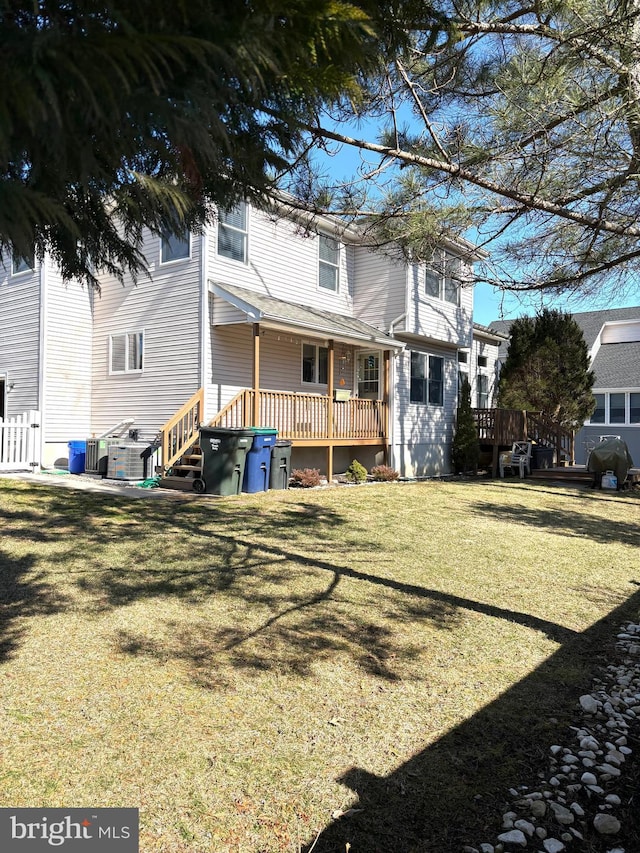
<point x="482" y="390"/>
<point x="126" y="352"/>
<point x="233" y="233"/>
<point x="174" y="248"/>
<point x="443" y="277"/>
<point x="427" y="379"/>
<point x="315" y="362"/>
<point x="20" y="264"/>
<point x="616" y="408"/>
<point x="328" y="263"/>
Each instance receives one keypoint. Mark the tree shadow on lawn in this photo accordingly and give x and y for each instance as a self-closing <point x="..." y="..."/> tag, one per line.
<point x="23" y="595"/>
<point x="565" y="522"/>
<point x="455" y="791"/>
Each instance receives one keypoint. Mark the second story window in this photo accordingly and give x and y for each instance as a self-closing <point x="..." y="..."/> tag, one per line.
<point x="329" y="263"/>
<point x="20" y="264"/>
<point x="174" y="248"/>
<point x="126" y="352"/>
<point x="443" y="277"/>
<point x="232" y="233"/>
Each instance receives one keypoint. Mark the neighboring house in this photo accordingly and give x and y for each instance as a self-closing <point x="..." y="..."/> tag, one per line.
<point x="613" y="339"/>
<point x="259" y="321"/>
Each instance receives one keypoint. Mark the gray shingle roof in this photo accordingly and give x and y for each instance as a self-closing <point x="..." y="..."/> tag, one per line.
<point x="618" y="366"/>
<point x="615" y="365"/>
<point x="323" y="323"/>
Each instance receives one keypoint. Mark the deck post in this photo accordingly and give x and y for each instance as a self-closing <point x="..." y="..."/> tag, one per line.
<point x="256" y="375"/>
<point x="330" y="387"/>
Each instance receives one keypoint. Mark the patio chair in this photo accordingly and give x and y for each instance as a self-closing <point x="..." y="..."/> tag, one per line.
<point x="519" y="457"/>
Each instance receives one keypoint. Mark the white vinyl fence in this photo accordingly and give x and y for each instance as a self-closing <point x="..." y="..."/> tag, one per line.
<point x="20" y="442"/>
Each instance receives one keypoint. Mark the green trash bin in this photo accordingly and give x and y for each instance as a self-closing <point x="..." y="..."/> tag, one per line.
<point x="224" y="453"/>
<point x="280" y="472"/>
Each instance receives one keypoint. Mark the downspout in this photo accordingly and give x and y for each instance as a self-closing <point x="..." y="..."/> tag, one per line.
<point x="204" y="320"/>
<point x="392" y="381"/>
<point x="42" y="353"/>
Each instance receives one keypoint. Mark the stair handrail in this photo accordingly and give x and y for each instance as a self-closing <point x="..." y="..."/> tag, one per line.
<point x="182" y="430"/>
<point x="242" y="400"/>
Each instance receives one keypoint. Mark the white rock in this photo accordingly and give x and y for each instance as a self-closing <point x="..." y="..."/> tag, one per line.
<point x="588" y="779"/>
<point x="577" y="809"/>
<point x="555" y="749"/>
<point x="516" y="836"/>
<point x="595" y="789"/>
<point x="552" y="845"/>
<point x="487" y="848"/>
<point x="554" y="781"/>
<point x="571" y="759"/>
<point x="508" y="819"/>
<point x="541" y="832"/>
<point x="562" y="814"/>
<point x="606" y="824"/>
<point x="589" y="704"/>
<point x="525" y="826"/>
<point x="613" y="799"/>
<point x="610" y="769"/>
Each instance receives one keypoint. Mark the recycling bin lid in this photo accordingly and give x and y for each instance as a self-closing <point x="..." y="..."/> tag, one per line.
<point x="264" y="430"/>
<point x="283" y="442"/>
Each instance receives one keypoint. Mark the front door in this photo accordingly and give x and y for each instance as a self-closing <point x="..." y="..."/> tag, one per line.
<point x="369" y="375"/>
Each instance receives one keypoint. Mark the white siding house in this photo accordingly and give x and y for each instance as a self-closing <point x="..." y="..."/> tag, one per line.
<point x="359" y="352"/>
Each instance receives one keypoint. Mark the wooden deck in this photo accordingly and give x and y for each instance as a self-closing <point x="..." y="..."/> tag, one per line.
<point x="578" y="473"/>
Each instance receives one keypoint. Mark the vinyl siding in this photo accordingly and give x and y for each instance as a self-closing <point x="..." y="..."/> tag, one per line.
<point x="230" y="369"/>
<point x="166" y="307"/>
<point x="621" y="333"/>
<point x="422" y="433"/>
<point x="437" y="319"/>
<point x="20" y="336"/>
<point x="67" y="381"/>
<point x="380" y="285"/>
<point x="283" y="263"/>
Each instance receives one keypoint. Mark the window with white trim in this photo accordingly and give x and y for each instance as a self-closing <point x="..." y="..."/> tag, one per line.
<point x="315" y="364"/>
<point x="482" y="391"/>
<point x="443" y="277"/>
<point x="174" y="248"/>
<point x="20" y="264"/>
<point x="233" y="233"/>
<point x="126" y="352"/>
<point x="616" y="408"/>
<point x="328" y="263"/>
<point x="427" y="379"/>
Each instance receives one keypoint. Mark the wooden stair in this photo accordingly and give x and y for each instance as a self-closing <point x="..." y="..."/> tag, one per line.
<point x="577" y="473"/>
<point x="185" y="471"/>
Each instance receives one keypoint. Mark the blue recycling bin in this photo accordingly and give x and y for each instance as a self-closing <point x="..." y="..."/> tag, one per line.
<point x="258" y="464"/>
<point x="77" y="456"/>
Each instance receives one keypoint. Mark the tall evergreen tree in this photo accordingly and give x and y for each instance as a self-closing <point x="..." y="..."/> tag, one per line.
<point x="121" y="114"/>
<point x="465" y="449"/>
<point x="547" y="369"/>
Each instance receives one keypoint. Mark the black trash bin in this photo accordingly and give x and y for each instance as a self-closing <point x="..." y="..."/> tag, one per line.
<point x="541" y="457"/>
<point x="280" y="464"/>
<point x="224" y="453"/>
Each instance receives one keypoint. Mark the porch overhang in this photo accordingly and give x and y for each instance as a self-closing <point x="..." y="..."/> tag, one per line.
<point x="280" y="315"/>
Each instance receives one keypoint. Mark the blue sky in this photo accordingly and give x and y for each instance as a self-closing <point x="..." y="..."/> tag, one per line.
<point x="490" y="303"/>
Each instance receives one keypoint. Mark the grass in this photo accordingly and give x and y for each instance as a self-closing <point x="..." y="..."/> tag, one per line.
<point x="243" y="669"/>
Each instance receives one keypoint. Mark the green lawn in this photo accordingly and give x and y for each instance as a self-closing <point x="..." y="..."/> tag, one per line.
<point x="241" y="669"/>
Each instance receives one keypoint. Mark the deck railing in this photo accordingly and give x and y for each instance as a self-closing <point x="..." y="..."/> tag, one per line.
<point x="308" y="417"/>
<point x="502" y="427"/>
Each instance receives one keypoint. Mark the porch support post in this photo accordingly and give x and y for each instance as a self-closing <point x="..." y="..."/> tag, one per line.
<point x="256" y="375"/>
<point x="330" y="387"/>
<point x="386" y="396"/>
